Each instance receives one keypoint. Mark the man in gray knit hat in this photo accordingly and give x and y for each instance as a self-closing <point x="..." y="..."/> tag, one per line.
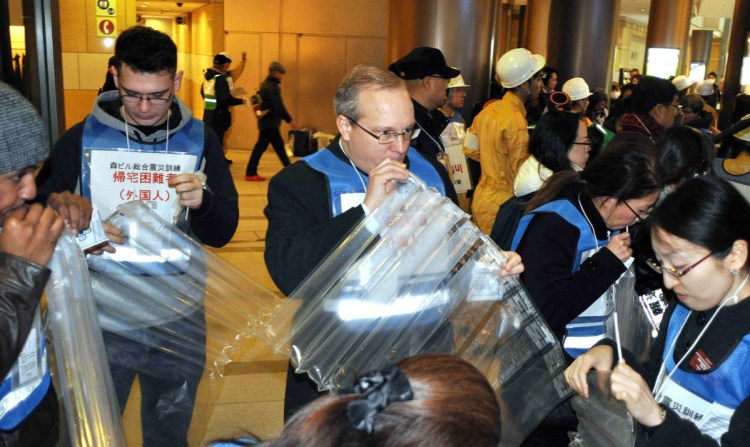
<point x="28" y="415"/>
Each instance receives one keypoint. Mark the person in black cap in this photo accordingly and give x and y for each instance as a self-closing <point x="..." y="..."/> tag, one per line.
<point x="427" y="77"/>
<point x="268" y="123"/>
<point x="217" y="95"/>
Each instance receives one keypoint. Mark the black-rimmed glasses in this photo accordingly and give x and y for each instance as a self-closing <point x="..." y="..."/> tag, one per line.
<point x="654" y="264"/>
<point x="637" y="215"/>
<point x="583" y="143"/>
<point x="387" y="136"/>
<point x="133" y="97"/>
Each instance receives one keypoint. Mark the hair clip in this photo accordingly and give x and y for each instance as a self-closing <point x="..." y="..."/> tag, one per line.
<point x="378" y="389"/>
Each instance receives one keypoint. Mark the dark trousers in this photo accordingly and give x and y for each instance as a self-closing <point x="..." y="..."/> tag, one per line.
<point x="221" y="139"/>
<point x="168" y="381"/>
<point x="266" y="136"/>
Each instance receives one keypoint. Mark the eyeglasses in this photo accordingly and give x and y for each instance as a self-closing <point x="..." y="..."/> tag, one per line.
<point x="388" y="137"/>
<point x="640" y="217"/>
<point x="678" y="107"/>
<point x="661" y="269"/>
<point x="134" y="97"/>
<point x="584" y="143"/>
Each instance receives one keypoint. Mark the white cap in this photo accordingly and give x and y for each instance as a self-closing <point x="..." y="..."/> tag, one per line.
<point x="681" y="82"/>
<point x="517" y="66"/>
<point x="457" y="82"/>
<point x="577" y="89"/>
<point x="705" y="88"/>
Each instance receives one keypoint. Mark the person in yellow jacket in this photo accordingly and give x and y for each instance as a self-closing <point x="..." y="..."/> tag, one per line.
<point x="499" y="135"/>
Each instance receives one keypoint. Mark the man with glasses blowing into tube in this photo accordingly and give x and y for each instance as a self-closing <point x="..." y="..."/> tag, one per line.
<point x="313" y="203"/>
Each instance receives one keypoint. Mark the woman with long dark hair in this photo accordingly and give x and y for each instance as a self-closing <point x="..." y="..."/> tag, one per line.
<point x="695" y="388"/>
<point x="572" y="241"/>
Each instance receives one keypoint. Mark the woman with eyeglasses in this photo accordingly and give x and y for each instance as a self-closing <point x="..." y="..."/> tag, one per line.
<point x="695" y="388"/>
<point x="572" y="242"/>
<point x="560" y="142"/>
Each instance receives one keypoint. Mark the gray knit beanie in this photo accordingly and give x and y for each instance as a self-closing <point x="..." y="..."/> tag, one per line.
<point x="23" y="140"/>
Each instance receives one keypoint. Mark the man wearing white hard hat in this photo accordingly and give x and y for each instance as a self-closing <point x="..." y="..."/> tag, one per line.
<point x="705" y="89"/>
<point x="682" y="83"/>
<point x="579" y="93"/>
<point x="455" y="99"/>
<point x="500" y="134"/>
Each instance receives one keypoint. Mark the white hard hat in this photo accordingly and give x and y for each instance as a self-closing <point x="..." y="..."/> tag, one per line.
<point x="517" y="66"/>
<point x="681" y="82"/>
<point x="705" y="88"/>
<point x="457" y="82"/>
<point x="744" y="134"/>
<point x="576" y="88"/>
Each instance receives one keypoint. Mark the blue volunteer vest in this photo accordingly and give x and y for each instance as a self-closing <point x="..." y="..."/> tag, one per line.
<point x="343" y="179"/>
<point x="188" y="140"/>
<point x="727" y="385"/>
<point x="589" y="326"/>
<point x="16" y="401"/>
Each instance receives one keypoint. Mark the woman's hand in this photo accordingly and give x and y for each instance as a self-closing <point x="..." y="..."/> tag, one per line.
<point x="598" y="358"/>
<point x="619" y="245"/>
<point x="628" y="386"/>
<point x="514" y="266"/>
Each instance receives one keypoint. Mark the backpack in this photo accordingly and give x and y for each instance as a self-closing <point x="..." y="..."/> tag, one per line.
<point x="506" y="220"/>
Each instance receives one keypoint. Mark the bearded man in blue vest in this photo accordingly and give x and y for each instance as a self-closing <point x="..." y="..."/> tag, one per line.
<point x="141" y="142"/>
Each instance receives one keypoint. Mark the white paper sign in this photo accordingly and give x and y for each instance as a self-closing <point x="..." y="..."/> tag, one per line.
<point x="453" y="140"/>
<point x="122" y="176"/>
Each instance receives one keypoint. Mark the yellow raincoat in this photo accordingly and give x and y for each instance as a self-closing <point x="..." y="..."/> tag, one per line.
<point x="501" y="137"/>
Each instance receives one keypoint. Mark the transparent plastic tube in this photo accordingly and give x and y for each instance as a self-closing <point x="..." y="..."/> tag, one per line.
<point x="162" y="289"/>
<point x="416" y="276"/>
<point x="603" y="421"/>
<point x="88" y="394"/>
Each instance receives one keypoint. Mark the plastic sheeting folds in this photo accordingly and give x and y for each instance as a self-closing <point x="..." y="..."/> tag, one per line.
<point x="603" y="421"/>
<point x="161" y="288"/>
<point x="88" y="394"/>
<point x="416" y="276"/>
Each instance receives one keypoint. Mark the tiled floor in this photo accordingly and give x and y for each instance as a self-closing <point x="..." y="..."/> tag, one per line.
<point x="249" y="397"/>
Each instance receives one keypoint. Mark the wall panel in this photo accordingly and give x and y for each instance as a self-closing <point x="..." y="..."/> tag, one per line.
<point x="323" y="62"/>
<point x="253" y="15"/>
<point x="338" y="17"/>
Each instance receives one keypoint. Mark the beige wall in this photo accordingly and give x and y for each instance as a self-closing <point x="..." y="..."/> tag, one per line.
<point x="630" y="51"/>
<point x="318" y="42"/>
<point x="84" y="55"/>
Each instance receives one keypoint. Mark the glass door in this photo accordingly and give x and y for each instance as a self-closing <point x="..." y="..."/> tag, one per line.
<point x="29" y="53"/>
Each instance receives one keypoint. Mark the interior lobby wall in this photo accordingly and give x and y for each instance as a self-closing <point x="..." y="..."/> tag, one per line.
<point x="318" y="42"/>
<point x="84" y="55"/>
